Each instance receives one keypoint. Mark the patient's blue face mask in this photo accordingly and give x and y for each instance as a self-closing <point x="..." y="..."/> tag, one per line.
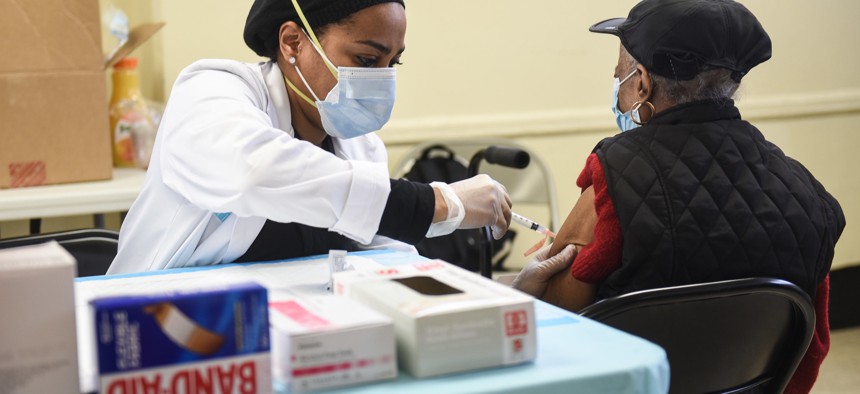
<point x="624" y="120"/>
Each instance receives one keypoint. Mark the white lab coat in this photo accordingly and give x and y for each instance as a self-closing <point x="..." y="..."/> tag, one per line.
<point x="225" y="159"/>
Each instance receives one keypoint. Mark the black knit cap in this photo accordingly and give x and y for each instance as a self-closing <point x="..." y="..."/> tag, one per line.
<point x="266" y="17"/>
<point x="678" y="39"/>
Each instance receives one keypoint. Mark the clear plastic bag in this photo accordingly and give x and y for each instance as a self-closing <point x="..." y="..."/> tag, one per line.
<point x="144" y="138"/>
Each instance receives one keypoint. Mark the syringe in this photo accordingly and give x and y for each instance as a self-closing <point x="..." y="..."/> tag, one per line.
<point x="531" y="224"/>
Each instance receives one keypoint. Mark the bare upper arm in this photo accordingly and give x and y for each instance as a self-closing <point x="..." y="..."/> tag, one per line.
<point x="578" y="228"/>
<point x="564" y="290"/>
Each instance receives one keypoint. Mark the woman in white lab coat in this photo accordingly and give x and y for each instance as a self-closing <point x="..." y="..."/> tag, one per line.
<point x="278" y="159"/>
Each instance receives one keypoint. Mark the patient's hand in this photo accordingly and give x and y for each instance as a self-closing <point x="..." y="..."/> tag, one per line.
<point x="564" y="290"/>
<point x="534" y="278"/>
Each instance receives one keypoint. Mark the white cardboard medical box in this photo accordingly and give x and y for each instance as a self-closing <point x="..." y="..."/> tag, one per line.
<point x="38" y="347"/>
<point x="325" y="341"/>
<point x="447" y="319"/>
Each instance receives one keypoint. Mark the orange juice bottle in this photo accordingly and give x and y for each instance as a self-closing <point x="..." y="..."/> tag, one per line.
<point x="128" y="114"/>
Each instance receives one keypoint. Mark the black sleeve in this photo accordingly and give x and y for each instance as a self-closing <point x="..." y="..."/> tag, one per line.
<point x="408" y="211"/>
<point x="834" y="219"/>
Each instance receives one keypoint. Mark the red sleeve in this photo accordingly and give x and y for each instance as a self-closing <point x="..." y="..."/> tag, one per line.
<point x="602" y="256"/>
<point x="806" y="373"/>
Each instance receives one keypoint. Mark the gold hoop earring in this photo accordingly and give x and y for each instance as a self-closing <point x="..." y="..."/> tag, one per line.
<point x="635" y="110"/>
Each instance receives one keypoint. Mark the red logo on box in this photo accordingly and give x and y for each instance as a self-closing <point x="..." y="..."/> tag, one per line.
<point x="429" y="266"/>
<point x="516" y="323"/>
<point x="29" y="173"/>
<point x="518" y="345"/>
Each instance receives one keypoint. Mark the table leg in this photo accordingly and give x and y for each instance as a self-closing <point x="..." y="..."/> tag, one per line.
<point x="99" y="220"/>
<point x="35" y="226"/>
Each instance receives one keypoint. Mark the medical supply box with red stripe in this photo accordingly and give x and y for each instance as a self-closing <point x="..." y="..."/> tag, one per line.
<point x="213" y="341"/>
<point x="446" y="319"/>
<point x="325" y="341"/>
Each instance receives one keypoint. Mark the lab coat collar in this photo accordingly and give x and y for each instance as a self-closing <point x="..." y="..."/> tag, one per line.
<point x="278" y="96"/>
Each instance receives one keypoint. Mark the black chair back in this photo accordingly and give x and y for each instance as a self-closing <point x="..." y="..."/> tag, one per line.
<point x="93" y="249"/>
<point x="745" y="335"/>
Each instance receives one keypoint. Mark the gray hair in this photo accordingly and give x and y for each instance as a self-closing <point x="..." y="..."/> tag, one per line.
<point x="712" y="84"/>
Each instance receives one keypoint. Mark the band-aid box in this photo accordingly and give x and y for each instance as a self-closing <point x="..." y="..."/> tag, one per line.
<point x="207" y="341"/>
<point x="38" y="347"/>
<point x="325" y="341"/>
<point x="447" y="319"/>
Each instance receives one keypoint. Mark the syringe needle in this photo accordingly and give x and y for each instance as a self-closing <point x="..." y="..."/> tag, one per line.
<point x="531" y="224"/>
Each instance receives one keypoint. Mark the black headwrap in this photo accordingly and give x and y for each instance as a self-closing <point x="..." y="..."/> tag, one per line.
<point x="266" y="17"/>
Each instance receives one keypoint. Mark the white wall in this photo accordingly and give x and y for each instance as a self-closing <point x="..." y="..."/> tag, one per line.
<point x="529" y="70"/>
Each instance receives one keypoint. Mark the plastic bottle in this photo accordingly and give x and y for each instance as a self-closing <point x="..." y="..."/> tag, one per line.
<point x="336" y="263"/>
<point x="130" y="121"/>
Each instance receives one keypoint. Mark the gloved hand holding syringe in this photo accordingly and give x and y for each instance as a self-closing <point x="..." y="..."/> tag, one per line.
<point x="532" y="225"/>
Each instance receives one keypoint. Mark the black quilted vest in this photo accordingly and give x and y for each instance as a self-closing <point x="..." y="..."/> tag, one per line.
<point x="702" y="196"/>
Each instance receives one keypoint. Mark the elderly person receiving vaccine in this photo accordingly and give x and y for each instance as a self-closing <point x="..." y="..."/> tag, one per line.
<point x="689" y="192"/>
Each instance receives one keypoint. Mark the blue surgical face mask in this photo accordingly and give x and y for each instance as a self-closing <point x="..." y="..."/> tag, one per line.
<point x="624" y="120"/>
<point x="360" y="103"/>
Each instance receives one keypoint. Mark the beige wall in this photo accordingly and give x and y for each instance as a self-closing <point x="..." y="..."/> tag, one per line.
<point x="529" y="70"/>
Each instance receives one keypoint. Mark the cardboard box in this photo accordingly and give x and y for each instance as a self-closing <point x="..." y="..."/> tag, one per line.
<point x="447" y="319"/>
<point x="38" y="348"/>
<point x="204" y="342"/>
<point x="321" y="342"/>
<point x="53" y="104"/>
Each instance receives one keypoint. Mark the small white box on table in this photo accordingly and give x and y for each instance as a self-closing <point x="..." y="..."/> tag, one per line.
<point x="447" y="319"/>
<point x="325" y="341"/>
